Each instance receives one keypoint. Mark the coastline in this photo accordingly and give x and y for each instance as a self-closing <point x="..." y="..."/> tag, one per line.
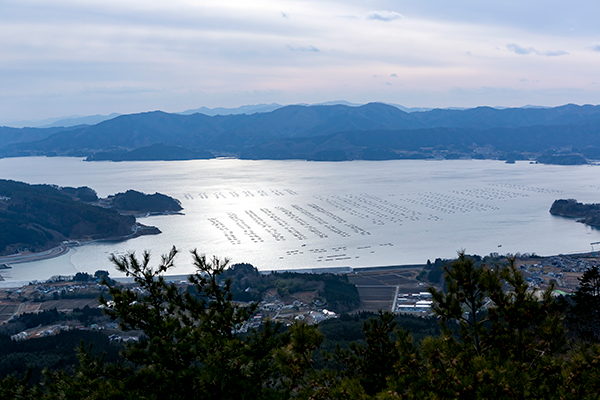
<point x="29" y="257"/>
<point x="64" y="249"/>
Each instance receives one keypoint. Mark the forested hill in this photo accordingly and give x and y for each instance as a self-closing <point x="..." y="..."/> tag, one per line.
<point x="134" y="202"/>
<point x="39" y="217"/>
<point x="589" y="214"/>
<point x="337" y="132"/>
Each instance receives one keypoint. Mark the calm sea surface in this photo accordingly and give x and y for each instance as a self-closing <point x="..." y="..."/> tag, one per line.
<point x="299" y="214"/>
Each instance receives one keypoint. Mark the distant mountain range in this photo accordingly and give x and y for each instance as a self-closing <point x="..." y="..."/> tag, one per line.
<point x="373" y="131"/>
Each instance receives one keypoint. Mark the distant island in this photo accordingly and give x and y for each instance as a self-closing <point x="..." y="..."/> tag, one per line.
<point x="588" y="214"/>
<point x="137" y="203"/>
<point x="564" y="135"/>
<point x="36" y="218"/>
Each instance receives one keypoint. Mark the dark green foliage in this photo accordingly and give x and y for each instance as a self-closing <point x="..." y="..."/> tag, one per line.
<point x="82" y="277"/>
<point x="587" y="213"/>
<point x="496" y="340"/>
<point x="38" y="217"/>
<point x="247" y="284"/>
<point x="585" y="310"/>
<point x="82" y="193"/>
<point x="191" y="349"/>
<point x="372" y="131"/>
<point x="562" y="159"/>
<point x="436" y="270"/>
<point x="53" y="352"/>
<point x="138" y="202"/>
<point x="49" y="317"/>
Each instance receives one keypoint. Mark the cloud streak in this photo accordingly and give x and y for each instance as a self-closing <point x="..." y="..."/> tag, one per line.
<point x="385" y="16"/>
<point x="312" y="49"/>
<point x="226" y="53"/>
<point x="517" y="49"/>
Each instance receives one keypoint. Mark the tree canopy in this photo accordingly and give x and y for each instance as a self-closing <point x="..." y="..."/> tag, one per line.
<point x="498" y="340"/>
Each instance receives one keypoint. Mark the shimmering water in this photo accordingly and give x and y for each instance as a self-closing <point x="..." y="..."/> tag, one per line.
<point x="299" y="214"/>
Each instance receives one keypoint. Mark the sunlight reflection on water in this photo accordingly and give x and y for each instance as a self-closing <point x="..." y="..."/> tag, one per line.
<point x="299" y="214"/>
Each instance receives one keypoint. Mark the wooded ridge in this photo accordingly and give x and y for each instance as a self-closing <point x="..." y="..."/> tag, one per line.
<point x="373" y="131"/>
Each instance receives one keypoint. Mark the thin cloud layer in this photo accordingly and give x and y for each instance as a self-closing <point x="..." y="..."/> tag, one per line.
<point x="304" y="48"/>
<point x="595" y="47"/>
<point x="515" y="48"/>
<point x="70" y="57"/>
<point x="384" y="15"/>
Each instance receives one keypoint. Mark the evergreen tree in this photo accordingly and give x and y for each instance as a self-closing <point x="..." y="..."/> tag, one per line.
<point x="586" y="310"/>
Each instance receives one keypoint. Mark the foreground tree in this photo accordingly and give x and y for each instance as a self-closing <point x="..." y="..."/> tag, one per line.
<point x="499" y="340"/>
<point x="191" y="347"/>
<point x="586" y="308"/>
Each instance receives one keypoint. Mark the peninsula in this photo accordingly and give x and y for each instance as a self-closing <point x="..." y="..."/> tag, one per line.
<point x="42" y="220"/>
<point x="588" y="214"/>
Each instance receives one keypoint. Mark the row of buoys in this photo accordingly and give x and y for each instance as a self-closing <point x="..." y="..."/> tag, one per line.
<point x="247" y="193"/>
<point x="284" y="224"/>
<point x="447" y="204"/>
<point x="317" y="251"/>
<point x="341" y="207"/>
<point x="226" y="231"/>
<point x="369" y="212"/>
<point x="261" y="222"/>
<point x="321" y="221"/>
<point x="382" y="212"/>
<point x="526" y="188"/>
<point x="302" y="222"/>
<point x="245" y="227"/>
<point x="331" y="215"/>
<point x="489" y="194"/>
<point x="381" y="208"/>
<point x="405" y="212"/>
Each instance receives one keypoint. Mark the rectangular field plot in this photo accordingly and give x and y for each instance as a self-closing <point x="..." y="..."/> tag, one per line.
<point x="7" y="311"/>
<point x="68" y="304"/>
<point x="376" y="298"/>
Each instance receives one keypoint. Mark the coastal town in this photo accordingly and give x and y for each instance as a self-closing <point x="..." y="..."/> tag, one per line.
<point x="399" y="289"/>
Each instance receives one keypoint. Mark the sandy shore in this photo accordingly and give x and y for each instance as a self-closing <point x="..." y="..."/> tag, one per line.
<point x="28" y="257"/>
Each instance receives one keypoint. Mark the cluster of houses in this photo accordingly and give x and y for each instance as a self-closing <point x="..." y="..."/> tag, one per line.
<point x="554" y="269"/>
<point x="278" y="311"/>
<point x="48" y="290"/>
<point x="569" y="264"/>
<point x="37" y="333"/>
<point x="413" y="302"/>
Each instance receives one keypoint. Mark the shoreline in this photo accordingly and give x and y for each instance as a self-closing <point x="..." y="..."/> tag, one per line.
<point x="30" y="257"/>
<point x="63" y="249"/>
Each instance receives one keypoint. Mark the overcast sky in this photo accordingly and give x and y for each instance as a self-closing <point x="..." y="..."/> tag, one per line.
<point x="67" y="57"/>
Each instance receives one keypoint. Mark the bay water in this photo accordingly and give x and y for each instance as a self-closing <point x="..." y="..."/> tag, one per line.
<point x="283" y="215"/>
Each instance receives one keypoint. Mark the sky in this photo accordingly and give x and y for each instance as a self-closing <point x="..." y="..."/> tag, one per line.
<point x="67" y="57"/>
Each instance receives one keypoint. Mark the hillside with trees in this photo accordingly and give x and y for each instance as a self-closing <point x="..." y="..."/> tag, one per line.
<point x="497" y="339"/>
<point x="588" y="214"/>
<point x="374" y="131"/>
<point x="134" y="202"/>
<point x="39" y="217"/>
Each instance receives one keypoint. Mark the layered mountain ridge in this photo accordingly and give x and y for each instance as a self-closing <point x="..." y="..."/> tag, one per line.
<point x="327" y="132"/>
